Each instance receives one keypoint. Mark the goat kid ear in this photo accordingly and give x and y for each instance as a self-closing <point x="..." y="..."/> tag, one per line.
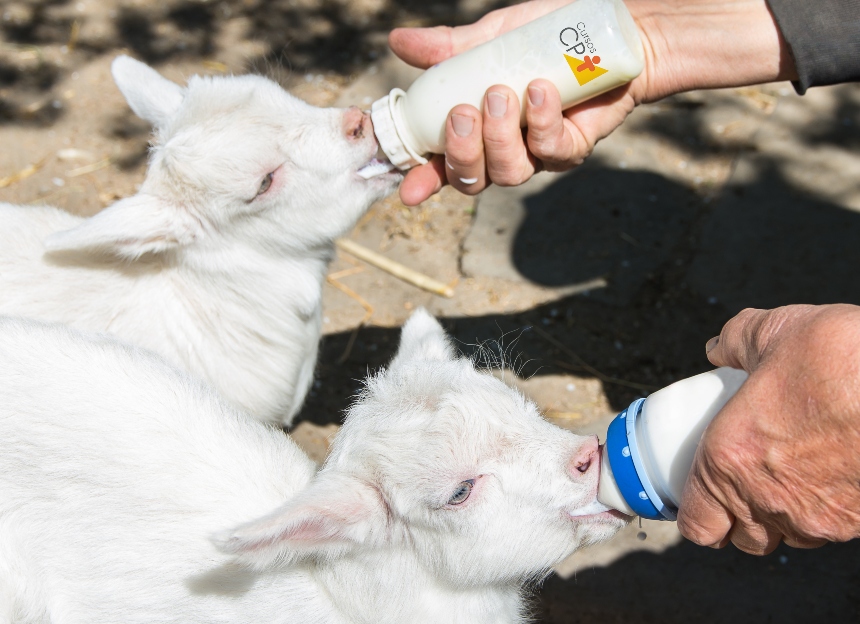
<point x="422" y="339"/>
<point x="333" y="516"/>
<point x="149" y="94"/>
<point x="128" y="229"/>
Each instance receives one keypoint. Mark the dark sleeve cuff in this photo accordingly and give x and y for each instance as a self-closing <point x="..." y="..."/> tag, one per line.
<point x="824" y="39"/>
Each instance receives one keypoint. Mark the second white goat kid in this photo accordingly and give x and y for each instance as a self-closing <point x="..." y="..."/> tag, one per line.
<point x="218" y="262"/>
<point x="444" y="493"/>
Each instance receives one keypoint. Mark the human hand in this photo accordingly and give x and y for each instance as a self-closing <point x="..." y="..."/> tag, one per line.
<point x="781" y="461"/>
<point x="688" y="44"/>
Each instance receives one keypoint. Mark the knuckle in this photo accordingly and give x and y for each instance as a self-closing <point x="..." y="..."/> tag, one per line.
<point x="546" y="147"/>
<point x="696" y="533"/>
<point x="506" y="177"/>
<point x="753" y="546"/>
<point x="462" y="161"/>
<point x="466" y="186"/>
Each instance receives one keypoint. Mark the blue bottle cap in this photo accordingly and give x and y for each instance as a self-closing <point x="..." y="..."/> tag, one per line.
<point x="629" y="470"/>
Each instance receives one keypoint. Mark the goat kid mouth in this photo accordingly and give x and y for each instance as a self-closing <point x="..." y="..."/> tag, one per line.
<point x="377" y="167"/>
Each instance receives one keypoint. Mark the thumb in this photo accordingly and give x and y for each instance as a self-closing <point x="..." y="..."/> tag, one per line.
<point x="702" y="519"/>
<point x="421" y="47"/>
<point x="744" y="338"/>
<point x="424" y="47"/>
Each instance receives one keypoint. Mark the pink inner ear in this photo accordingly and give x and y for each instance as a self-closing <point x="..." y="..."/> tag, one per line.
<point x="312" y="531"/>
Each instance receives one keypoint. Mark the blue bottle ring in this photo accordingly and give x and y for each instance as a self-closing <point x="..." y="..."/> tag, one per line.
<point x="629" y="470"/>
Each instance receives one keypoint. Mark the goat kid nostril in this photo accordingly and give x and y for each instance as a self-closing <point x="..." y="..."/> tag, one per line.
<point x="355" y="123"/>
<point x="584" y="457"/>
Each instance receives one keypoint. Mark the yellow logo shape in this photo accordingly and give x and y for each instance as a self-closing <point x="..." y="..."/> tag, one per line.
<point x="585" y="70"/>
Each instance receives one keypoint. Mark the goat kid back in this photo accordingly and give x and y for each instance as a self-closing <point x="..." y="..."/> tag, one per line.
<point x="218" y="262"/>
<point x="129" y="492"/>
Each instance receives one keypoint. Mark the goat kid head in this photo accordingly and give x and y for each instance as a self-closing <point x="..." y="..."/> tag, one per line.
<point x="447" y="463"/>
<point x="234" y="158"/>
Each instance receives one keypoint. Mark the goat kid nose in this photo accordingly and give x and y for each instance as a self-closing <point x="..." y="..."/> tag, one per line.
<point x="584" y="458"/>
<point x="356" y="125"/>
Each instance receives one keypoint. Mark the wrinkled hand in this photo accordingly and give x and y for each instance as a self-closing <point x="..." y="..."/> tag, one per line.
<point x="781" y="461"/>
<point x="687" y="43"/>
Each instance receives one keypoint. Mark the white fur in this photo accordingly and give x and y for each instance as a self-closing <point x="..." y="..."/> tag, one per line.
<point x="219" y="282"/>
<point x="116" y="471"/>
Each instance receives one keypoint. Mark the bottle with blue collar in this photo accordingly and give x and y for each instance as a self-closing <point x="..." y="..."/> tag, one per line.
<point x="650" y="446"/>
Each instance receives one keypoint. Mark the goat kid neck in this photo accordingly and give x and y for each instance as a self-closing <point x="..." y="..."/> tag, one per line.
<point x="390" y="586"/>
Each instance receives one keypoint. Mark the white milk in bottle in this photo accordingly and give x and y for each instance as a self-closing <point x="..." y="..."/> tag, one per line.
<point x="584" y="48"/>
<point x="650" y="446"/>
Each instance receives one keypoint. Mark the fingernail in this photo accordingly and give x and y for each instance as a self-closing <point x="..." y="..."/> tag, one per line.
<point x="463" y="125"/>
<point x="468" y="180"/>
<point x="449" y="165"/>
<point x="536" y="96"/>
<point x="713" y="342"/>
<point x="497" y="104"/>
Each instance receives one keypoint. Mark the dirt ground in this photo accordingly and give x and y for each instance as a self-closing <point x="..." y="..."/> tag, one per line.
<point x="601" y="285"/>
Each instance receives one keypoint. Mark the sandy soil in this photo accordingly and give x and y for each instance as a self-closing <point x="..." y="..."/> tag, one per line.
<point x="605" y="283"/>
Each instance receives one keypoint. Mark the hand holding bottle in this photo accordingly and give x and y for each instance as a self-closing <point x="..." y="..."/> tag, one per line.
<point x="688" y="45"/>
<point x="781" y="460"/>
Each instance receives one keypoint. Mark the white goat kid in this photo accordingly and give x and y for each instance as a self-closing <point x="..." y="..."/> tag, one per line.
<point x="444" y="493"/>
<point x="217" y="263"/>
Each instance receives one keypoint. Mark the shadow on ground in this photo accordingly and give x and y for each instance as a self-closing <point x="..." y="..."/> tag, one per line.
<point x="42" y="40"/>
<point x="678" y="268"/>
<point x="688" y="583"/>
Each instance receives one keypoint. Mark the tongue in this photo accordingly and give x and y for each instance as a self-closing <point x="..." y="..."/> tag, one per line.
<point x="592" y="508"/>
<point x="375" y="168"/>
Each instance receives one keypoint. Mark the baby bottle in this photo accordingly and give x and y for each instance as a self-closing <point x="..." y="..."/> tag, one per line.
<point x="650" y="446"/>
<point x="585" y="48"/>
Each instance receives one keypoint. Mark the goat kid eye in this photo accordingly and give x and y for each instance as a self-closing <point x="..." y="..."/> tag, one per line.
<point x="462" y="492"/>
<point x="266" y="183"/>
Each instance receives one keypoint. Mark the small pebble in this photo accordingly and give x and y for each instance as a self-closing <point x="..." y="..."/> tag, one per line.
<point x="58" y="181"/>
<point x="619" y="345"/>
<point x="783" y="559"/>
<point x="712" y="300"/>
<point x="641" y="535"/>
<point x="570" y="387"/>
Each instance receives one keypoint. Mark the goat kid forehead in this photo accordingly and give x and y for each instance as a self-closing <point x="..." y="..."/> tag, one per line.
<point x="439" y="427"/>
<point x="231" y="130"/>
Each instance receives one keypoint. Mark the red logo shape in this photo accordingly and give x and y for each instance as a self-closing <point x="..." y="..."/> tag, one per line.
<point x="588" y="64"/>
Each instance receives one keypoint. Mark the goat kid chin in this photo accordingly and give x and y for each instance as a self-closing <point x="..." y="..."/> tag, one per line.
<point x="217" y="263"/>
<point x="130" y="492"/>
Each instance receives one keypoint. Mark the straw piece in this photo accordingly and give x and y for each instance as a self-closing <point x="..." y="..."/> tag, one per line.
<point x="396" y="269"/>
<point x="26" y="172"/>
<point x="216" y="66"/>
<point x="79" y="171"/>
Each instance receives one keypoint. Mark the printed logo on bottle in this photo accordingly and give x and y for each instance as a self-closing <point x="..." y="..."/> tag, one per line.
<point x="577" y="42"/>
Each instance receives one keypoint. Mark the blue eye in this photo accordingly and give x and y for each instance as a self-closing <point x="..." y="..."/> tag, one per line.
<point x="266" y="183"/>
<point x="462" y="492"/>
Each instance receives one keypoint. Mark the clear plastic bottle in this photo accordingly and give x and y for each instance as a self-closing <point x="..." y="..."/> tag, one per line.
<point x="585" y="48"/>
<point x="650" y="446"/>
